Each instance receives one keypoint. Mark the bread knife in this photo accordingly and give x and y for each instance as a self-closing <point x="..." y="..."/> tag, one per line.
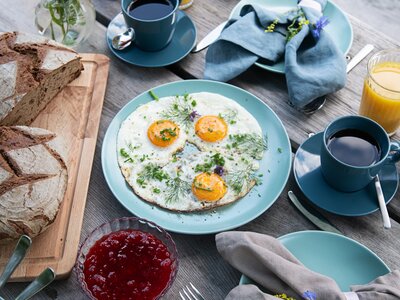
<point x="210" y="38"/>
<point x="314" y="216"/>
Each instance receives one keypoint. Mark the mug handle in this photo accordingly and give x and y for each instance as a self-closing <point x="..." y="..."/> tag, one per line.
<point x="394" y="155"/>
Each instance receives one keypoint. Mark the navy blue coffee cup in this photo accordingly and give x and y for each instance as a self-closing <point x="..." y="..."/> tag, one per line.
<point x="151" y="35"/>
<point x="349" y="178"/>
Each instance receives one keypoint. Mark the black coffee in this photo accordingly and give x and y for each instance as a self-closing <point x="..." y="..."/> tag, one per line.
<point x="354" y="147"/>
<point x="150" y="9"/>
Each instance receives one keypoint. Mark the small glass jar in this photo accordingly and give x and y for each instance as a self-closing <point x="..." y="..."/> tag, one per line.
<point x="69" y="22"/>
<point x="185" y="4"/>
<point x="380" y="99"/>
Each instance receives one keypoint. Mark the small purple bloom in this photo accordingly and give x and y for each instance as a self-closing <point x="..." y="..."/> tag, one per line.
<point x="219" y="170"/>
<point x="319" y="25"/>
<point x="308" y="295"/>
<point x="193" y="115"/>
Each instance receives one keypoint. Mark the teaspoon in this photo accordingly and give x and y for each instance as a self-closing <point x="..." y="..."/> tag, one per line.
<point x="123" y="40"/>
<point x="40" y="282"/>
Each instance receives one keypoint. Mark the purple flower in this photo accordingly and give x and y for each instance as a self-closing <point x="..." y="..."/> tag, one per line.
<point x="193" y="115"/>
<point x="308" y="295"/>
<point x="219" y="170"/>
<point x="319" y="25"/>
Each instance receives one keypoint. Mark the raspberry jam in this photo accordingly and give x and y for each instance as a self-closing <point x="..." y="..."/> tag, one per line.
<point x="127" y="264"/>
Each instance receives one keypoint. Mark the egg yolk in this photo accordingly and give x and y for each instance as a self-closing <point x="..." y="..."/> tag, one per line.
<point x="163" y="133"/>
<point x="208" y="187"/>
<point x="211" y="128"/>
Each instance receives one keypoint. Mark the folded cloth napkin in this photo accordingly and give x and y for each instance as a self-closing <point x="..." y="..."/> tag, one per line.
<point x="314" y="66"/>
<point x="265" y="260"/>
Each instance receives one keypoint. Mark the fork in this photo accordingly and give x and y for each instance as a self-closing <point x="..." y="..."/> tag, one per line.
<point x="191" y="293"/>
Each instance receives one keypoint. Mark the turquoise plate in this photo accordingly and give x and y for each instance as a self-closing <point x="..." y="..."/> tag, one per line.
<point x="339" y="28"/>
<point x="181" y="44"/>
<point x="275" y="165"/>
<point x="336" y="256"/>
<point x="307" y="172"/>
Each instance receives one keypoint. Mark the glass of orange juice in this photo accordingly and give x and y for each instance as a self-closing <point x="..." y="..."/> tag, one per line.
<point x="380" y="99"/>
<point x="185" y="4"/>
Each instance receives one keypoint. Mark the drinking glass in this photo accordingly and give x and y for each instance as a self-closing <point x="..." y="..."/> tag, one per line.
<point x="380" y="99"/>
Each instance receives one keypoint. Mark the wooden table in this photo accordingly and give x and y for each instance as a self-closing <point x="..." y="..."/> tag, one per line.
<point x="199" y="261"/>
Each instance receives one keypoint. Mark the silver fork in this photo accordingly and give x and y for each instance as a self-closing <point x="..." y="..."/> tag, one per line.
<point x="190" y="292"/>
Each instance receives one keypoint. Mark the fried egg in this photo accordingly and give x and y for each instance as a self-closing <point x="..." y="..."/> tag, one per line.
<point x="228" y="143"/>
<point x="186" y="184"/>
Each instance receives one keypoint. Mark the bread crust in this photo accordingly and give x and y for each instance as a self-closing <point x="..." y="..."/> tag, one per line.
<point x="33" y="180"/>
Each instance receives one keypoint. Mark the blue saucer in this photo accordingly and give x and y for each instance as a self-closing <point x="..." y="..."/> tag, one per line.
<point x="307" y="171"/>
<point x="182" y="43"/>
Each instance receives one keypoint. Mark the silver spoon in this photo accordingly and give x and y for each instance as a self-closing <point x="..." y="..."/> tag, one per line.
<point x="316" y="104"/>
<point x="40" y="282"/>
<point x="123" y="40"/>
<point x="17" y="256"/>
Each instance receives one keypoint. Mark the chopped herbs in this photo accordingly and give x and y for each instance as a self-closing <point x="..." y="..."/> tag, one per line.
<point x="156" y="190"/>
<point x="177" y="189"/>
<point x="151" y="171"/>
<point x="126" y="155"/>
<point x="253" y="144"/>
<point x="169" y="131"/>
<point x="154" y="96"/>
<point x="194" y="103"/>
<point x="199" y="185"/>
<point x="215" y="160"/>
<point x="279" y="150"/>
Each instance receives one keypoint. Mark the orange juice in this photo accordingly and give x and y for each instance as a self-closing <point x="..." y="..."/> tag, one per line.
<point x="381" y="94"/>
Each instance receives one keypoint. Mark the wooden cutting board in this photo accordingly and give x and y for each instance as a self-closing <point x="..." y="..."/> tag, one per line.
<point x="74" y="114"/>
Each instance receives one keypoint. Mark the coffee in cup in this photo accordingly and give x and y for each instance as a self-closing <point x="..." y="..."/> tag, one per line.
<point x="153" y="22"/>
<point x="353" y="151"/>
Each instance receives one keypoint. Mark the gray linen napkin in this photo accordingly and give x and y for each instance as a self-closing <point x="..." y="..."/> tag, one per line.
<point x="265" y="260"/>
<point x="313" y="66"/>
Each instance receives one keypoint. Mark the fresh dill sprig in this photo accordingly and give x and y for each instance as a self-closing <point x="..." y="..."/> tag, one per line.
<point x="251" y="143"/>
<point x="177" y="189"/>
<point x="151" y="171"/>
<point x="229" y="116"/>
<point x="181" y="110"/>
<point x="241" y="179"/>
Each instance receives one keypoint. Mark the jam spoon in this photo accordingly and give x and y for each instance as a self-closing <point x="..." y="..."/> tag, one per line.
<point x="40" y="282"/>
<point x="19" y="253"/>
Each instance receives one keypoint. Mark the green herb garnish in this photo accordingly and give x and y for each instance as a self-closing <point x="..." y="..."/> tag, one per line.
<point x="154" y="96"/>
<point x="126" y="155"/>
<point x="215" y="160"/>
<point x="179" y="112"/>
<point x="151" y="171"/>
<point x="156" y="190"/>
<point x="177" y="189"/>
<point x="243" y="178"/>
<point x="253" y="144"/>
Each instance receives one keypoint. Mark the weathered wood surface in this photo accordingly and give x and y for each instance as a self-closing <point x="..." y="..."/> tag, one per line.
<point x="199" y="260"/>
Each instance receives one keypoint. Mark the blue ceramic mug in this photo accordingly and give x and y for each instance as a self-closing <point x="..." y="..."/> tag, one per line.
<point x="151" y="34"/>
<point x="350" y="178"/>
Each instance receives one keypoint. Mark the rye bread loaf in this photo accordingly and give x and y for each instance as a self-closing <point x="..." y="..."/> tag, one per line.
<point x="33" y="70"/>
<point x="33" y="180"/>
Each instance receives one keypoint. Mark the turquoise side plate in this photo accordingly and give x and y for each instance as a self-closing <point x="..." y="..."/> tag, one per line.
<point x="275" y="165"/>
<point x="181" y="44"/>
<point x="339" y="28"/>
<point x="344" y="260"/>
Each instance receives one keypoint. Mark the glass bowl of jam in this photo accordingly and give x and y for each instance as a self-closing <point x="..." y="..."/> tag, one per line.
<point x="127" y="258"/>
